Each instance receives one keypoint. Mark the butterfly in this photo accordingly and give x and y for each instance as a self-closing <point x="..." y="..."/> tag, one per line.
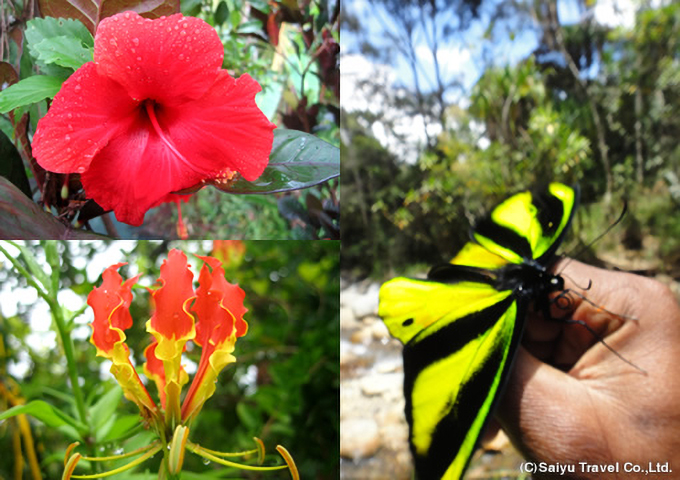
<point x="462" y="325"/>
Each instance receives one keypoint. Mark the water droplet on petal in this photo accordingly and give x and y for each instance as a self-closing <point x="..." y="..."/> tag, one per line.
<point x="80" y="169"/>
<point x="67" y="138"/>
<point x="113" y="42"/>
<point x="182" y="32"/>
<point x="135" y="41"/>
<point x="139" y="59"/>
<point x="127" y="14"/>
<point x="181" y="56"/>
<point x="176" y="27"/>
<point x="185" y="25"/>
<point x="70" y="127"/>
<point x="78" y="88"/>
<point x="69" y="115"/>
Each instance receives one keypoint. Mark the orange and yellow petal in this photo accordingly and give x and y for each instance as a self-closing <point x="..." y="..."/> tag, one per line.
<point x="153" y="369"/>
<point x="219" y="309"/>
<point x="110" y="303"/>
<point x="172" y="326"/>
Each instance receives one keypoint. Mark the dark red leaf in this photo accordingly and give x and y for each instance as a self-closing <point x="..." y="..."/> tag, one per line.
<point x="91" y="12"/>
<point x="21" y="218"/>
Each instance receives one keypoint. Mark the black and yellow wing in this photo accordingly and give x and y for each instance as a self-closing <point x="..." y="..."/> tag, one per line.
<point x="461" y="326"/>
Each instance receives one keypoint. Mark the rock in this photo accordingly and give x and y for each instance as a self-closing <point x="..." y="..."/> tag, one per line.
<point x="363" y="336"/>
<point x="359" y="438"/>
<point x="347" y="319"/>
<point x="366" y="304"/>
<point x="381" y="383"/>
<point x="380" y="331"/>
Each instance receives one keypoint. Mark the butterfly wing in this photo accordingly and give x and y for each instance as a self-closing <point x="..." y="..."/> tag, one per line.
<point x="460" y="338"/>
<point x="529" y="225"/>
<point x="461" y="327"/>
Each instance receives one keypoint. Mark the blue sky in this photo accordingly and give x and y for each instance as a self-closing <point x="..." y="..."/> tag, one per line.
<point x="463" y="60"/>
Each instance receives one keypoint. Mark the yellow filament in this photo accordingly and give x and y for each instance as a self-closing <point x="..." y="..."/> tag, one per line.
<point x="198" y="450"/>
<point x="117" y="457"/>
<point x="130" y="465"/>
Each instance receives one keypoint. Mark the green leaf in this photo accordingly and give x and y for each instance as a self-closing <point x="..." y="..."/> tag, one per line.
<point x="54" y="260"/>
<point x="221" y="13"/>
<point x="40" y="29"/>
<point x="12" y="167"/>
<point x="28" y="91"/>
<point x="247" y="415"/>
<point x="63" y="51"/>
<point x="298" y="160"/>
<point x="122" y="428"/>
<point x="35" y="269"/>
<point x="106" y="406"/>
<point x="47" y="414"/>
<point x="21" y="218"/>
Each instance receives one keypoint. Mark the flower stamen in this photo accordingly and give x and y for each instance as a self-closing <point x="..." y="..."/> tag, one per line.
<point x="182" y="231"/>
<point x="290" y="464"/>
<point x="114" y="457"/>
<point x="128" y="466"/>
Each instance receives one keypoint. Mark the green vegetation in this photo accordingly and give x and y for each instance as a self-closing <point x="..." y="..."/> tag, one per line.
<point x="283" y="387"/>
<point x="592" y="105"/>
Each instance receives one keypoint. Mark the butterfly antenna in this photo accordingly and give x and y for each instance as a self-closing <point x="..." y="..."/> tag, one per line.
<point x="571" y="255"/>
<point x="563" y="297"/>
<point x="586" y="288"/>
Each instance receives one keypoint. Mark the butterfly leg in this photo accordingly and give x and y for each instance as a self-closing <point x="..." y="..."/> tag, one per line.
<point x="564" y="302"/>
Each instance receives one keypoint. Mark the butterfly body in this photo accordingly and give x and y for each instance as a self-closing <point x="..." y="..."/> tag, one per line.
<point x="462" y="325"/>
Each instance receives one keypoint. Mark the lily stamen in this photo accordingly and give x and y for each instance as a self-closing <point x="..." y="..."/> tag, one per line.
<point x="125" y="467"/>
<point x="200" y="451"/>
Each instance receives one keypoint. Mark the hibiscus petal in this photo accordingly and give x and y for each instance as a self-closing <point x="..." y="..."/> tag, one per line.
<point x="224" y="129"/>
<point x="171" y="59"/>
<point x="135" y="172"/>
<point x="87" y="112"/>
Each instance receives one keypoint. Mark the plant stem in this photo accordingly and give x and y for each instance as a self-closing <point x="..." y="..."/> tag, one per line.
<point x="67" y="343"/>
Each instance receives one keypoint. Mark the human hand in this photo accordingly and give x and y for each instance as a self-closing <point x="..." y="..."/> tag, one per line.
<point x="569" y="399"/>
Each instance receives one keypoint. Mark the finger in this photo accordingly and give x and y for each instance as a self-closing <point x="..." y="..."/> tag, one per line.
<point x="546" y="412"/>
<point x="563" y="337"/>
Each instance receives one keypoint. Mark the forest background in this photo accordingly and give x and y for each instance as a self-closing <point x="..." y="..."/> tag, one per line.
<point x="449" y="106"/>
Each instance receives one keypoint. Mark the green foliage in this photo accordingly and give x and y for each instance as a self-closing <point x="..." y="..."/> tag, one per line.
<point x="611" y="127"/>
<point x="27" y="91"/>
<point x="63" y="51"/>
<point x="55" y="43"/>
<point x="283" y="388"/>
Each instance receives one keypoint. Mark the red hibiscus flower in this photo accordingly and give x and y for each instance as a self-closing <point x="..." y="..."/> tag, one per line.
<point x="153" y="114"/>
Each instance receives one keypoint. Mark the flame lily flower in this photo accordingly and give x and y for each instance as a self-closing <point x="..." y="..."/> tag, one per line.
<point x="211" y="316"/>
<point x="154" y="113"/>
